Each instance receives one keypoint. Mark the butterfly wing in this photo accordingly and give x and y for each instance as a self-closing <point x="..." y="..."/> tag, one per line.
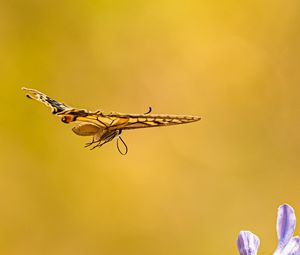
<point x="147" y="121"/>
<point x="121" y="121"/>
<point x="55" y="106"/>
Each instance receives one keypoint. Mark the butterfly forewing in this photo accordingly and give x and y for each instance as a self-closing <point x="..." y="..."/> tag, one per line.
<point x="147" y="121"/>
<point x="134" y="121"/>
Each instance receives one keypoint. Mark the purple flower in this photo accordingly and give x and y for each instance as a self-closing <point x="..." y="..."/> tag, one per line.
<point x="248" y="243"/>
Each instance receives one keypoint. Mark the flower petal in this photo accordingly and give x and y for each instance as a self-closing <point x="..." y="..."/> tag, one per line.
<point x="286" y="222"/>
<point x="247" y="243"/>
<point x="292" y="247"/>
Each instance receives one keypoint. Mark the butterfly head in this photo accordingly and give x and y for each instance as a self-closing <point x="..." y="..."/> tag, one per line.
<point x="68" y="118"/>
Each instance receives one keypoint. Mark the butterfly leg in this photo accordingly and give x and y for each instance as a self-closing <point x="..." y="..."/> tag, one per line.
<point x="104" y="138"/>
<point x="100" y="143"/>
<point x="90" y="143"/>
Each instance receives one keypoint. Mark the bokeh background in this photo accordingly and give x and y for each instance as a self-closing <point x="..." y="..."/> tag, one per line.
<point x="180" y="190"/>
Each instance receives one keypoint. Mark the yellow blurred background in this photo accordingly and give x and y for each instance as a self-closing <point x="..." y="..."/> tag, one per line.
<point x="185" y="189"/>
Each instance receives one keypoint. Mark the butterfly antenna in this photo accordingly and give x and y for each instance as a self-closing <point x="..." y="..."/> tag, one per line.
<point x="126" y="148"/>
<point x="149" y="111"/>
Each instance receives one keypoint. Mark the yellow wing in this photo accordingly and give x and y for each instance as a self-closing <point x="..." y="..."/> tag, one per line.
<point x="114" y="121"/>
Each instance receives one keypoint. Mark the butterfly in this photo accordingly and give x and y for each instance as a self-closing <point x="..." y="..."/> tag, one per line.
<point x="104" y="127"/>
